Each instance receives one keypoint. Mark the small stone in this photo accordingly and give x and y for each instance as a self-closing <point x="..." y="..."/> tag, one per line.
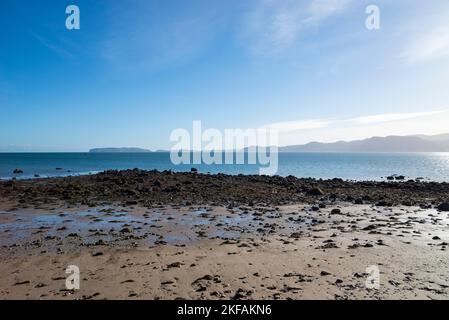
<point x="335" y="211"/>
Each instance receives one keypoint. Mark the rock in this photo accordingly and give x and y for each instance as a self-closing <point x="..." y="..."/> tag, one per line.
<point x="126" y="230"/>
<point x="443" y="206"/>
<point x="174" y="265"/>
<point x="193" y="170"/>
<point x="96" y="254"/>
<point x="400" y="177"/>
<point x="17" y="171"/>
<point x="324" y="273"/>
<point x="207" y="277"/>
<point x="157" y="183"/>
<point x="241" y="293"/>
<point x="336" y="211"/>
<point x="73" y="235"/>
<point x="295" y="235"/>
<point x="315" y="192"/>
<point x="384" y="203"/>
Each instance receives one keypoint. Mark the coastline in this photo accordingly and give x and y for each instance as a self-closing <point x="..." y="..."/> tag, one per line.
<point x="146" y="188"/>
<point x="162" y="235"/>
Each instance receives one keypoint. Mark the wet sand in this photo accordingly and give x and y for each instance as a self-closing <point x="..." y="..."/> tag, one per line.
<point x="297" y="251"/>
<point x="162" y="235"/>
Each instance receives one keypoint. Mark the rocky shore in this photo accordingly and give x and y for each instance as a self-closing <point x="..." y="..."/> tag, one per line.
<point x="147" y="188"/>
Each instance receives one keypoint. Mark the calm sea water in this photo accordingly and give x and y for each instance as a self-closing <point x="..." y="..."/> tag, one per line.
<point x="354" y="166"/>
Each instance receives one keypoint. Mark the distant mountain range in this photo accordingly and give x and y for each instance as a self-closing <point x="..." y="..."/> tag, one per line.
<point x="414" y="143"/>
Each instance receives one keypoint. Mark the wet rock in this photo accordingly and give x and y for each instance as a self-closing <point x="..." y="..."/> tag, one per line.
<point x="336" y="211"/>
<point x="370" y="227"/>
<point x="315" y="192"/>
<point x="296" y="235"/>
<point x="241" y="293"/>
<point x="157" y="183"/>
<point x="174" y="265"/>
<point x="17" y="171"/>
<point x="384" y="203"/>
<point x="443" y="206"/>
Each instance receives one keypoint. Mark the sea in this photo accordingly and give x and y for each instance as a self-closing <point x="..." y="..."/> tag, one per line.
<point x="348" y="166"/>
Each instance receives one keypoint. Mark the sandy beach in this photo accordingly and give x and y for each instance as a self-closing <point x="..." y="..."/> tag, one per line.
<point x="163" y="235"/>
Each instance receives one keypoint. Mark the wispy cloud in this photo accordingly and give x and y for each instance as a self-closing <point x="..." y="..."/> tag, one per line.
<point x="273" y="26"/>
<point x="388" y="117"/>
<point x="290" y="126"/>
<point x="431" y="46"/>
<point x="431" y="41"/>
<point x="331" y="130"/>
<point x="133" y="42"/>
<point x="59" y="50"/>
<point x="299" y="125"/>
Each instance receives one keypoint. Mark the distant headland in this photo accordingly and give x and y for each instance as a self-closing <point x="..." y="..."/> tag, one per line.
<point x="119" y="150"/>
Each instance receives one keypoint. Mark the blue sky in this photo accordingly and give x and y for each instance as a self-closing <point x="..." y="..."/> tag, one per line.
<point x="136" y="70"/>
